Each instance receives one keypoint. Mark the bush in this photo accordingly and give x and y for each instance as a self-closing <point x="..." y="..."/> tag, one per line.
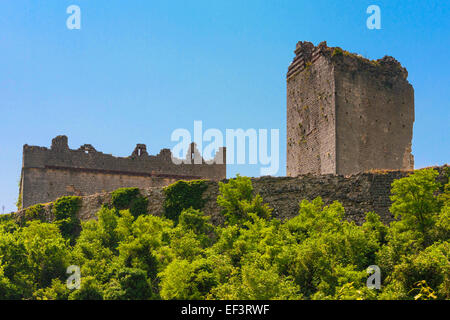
<point x="184" y="280"/>
<point x="8" y="291"/>
<point x="90" y="290"/>
<point x="57" y="291"/>
<point x="237" y="200"/>
<point x="337" y="52"/>
<point x="130" y="284"/>
<point x="431" y="265"/>
<point x="65" y="210"/>
<point x="195" y="220"/>
<point x="129" y="198"/>
<point x="46" y="253"/>
<point x="183" y="195"/>
<point x="34" y="212"/>
<point x="6" y="217"/>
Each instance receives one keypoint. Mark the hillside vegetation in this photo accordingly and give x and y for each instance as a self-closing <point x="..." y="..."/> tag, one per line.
<point x="128" y="253"/>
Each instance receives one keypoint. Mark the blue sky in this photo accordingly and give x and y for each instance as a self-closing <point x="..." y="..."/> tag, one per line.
<point x="137" y="70"/>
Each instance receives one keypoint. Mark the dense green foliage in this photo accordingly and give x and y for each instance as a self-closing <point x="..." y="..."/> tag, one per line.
<point x="65" y="211"/>
<point x="34" y="212"/>
<point x="236" y="199"/>
<point x="129" y="198"/>
<point x="314" y="255"/>
<point x="183" y="195"/>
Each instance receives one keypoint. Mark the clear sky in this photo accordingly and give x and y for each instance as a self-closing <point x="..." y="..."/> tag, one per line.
<point x="137" y="70"/>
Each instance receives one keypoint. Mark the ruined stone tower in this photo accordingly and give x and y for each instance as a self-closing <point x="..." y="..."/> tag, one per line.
<point x="347" y="114"/>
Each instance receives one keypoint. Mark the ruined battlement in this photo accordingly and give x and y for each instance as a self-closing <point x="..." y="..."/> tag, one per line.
<point x="139" y="162"/>
<point x="48" y="173"/>
<point x="347" y="114"/>
<point x="306" y="54"/>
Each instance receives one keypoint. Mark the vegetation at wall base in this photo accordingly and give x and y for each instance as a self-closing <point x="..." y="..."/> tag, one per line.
<point x="129" y="198"/>
<point x="183" y="195"/>
<point x="317" y="254"/>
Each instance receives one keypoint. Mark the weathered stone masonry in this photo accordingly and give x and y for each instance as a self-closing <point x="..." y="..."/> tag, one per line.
<point x="48" y="174"/>
<point x="358" y="194"/>
<point x="347" y="114"/>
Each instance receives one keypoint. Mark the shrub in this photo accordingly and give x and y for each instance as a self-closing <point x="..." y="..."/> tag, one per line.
<point x="129" y="198"/>
<point x="183" y="195"/>
<point x="65" y="210"/>
<point x="34" y="212"/>
<point x="57" y="291"/>
<point x="90" y="290"/>
<point x="337" y="52"/>
<point x="6" y="217"/>
<point x="431" y="265"/>
<point x="131" y="284"/>
<point x="195" y="220"/>
<point x="46" y="252"/>
<point x="187" y="280"/>
<point x="237" y="200"/>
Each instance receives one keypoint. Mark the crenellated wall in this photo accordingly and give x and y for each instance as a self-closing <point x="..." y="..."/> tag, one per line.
<point x="48" y="174"/>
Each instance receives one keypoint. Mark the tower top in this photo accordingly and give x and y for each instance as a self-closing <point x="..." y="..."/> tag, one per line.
<point x="306" y="54"/>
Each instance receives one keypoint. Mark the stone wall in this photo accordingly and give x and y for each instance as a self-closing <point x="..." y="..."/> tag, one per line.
<point x="347" y="114"/>
<point x="311" y="121"/>
<point x="375" y="115"/>
<point x="47" y="184"/>
<point x="51" y="173"/>
<point x="359" y="194"/>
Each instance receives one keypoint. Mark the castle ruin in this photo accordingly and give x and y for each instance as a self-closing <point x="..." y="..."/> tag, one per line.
<point x="347" y="114"/>
<point x="48" y="174"/>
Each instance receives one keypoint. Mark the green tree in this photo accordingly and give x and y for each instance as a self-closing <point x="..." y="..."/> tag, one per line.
<point x="57" y="291"/>
<point x="47" y="252"/>
<point x="414" y="200"/>
<point x="184" y="280"/>
<point x="257" y="281"/>
<point x="90" y="290"/>
<point x="237" y="200"/>
<point x="130" y="284"/>
<point x="8" y="290"/>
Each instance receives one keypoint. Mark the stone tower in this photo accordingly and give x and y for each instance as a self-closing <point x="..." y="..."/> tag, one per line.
<point x="347" y="114"/>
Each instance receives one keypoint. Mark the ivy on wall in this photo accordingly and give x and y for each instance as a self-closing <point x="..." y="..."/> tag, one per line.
<point x="34" y="212"/>
<point x="65" y="211"/>
<point x="129" y="198"/>
<point x="183" y="195"/>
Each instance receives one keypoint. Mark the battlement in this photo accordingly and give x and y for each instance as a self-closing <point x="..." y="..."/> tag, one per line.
<point x="139" y="162"/>
<point x="306" y="54"/>
<point x="48" y="173"/>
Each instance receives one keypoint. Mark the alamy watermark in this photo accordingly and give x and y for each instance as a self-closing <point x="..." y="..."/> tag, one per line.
<point x="74" y="280"/>
<point x="374" y="280"/>
<point x="374" y="20"/>
<point x="74" y="20"/>
<point x="242" y="147"/>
